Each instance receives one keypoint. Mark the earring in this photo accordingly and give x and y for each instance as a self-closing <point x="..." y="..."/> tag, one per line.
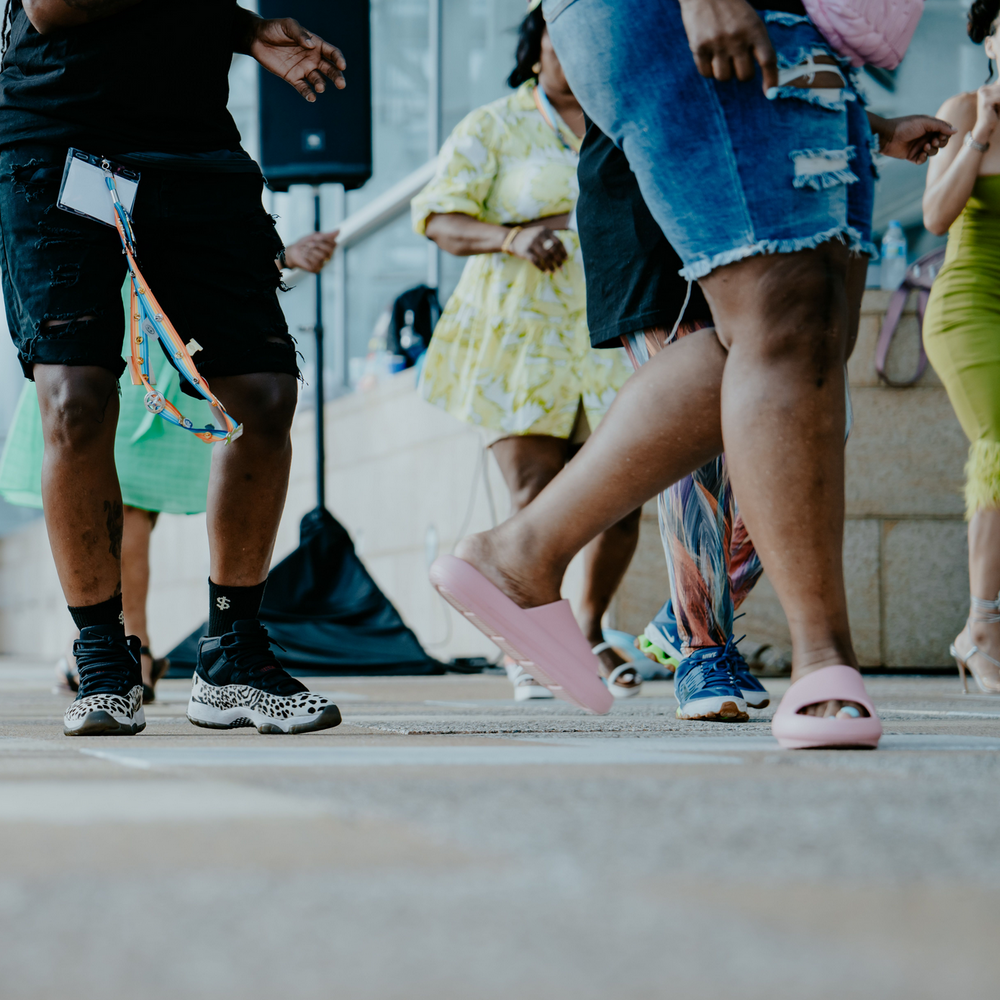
<point x="537" y="68"/>
<point x="989" y="63"/>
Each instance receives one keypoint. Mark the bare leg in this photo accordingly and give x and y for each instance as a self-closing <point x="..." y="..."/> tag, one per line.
<point x="249" y="479"/>
<point x="663" y="424"/>
<point x="528" y="464"/>
<point x="80" y="492"/>
<point x="787" y="321"/>
<point x="605" y="561"/>
<point x="138" y="527"/>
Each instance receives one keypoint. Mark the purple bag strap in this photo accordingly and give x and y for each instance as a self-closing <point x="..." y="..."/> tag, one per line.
<point x="919" y="277"/>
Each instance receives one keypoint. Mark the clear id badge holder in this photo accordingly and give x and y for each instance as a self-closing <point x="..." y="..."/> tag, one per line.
<point x="99" y="189"/>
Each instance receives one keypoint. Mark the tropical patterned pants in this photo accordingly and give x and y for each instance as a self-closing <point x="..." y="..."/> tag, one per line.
<point x="712" y="562"/>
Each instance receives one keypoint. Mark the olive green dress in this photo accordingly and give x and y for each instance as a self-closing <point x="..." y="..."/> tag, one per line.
<point x="962" y="336"/>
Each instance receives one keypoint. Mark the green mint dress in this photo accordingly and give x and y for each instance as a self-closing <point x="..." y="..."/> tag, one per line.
<point x="160" y="467"/>
<point x="962" y="336"/>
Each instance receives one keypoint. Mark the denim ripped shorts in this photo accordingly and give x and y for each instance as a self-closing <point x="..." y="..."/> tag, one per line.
<point x="726" y="171"/>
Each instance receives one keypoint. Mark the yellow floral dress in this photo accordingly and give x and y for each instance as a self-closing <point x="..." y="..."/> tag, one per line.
<point x="511" y="352"/>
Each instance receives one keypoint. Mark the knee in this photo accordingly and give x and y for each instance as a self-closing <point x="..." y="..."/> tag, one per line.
<point x="267" y="407"/>
<point x="79" y="407"/>
<point x="802" y="313"/>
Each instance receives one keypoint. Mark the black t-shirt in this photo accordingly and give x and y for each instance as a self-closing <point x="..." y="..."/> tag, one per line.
<point x="785" y="6"/>
<point x="631" y="269"/>
<point x="152" y="77"/>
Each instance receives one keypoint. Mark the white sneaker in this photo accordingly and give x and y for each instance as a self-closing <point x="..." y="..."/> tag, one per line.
<point x="525" y="686"/>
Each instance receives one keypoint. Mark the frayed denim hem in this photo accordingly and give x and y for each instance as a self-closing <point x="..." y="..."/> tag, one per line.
<point x="783" y="18"/>
<point x="820" y="182"/>
<point x="875" y="147"/>
<point x="804" y="54"/>
<point x="854" y="80"/>
<point x="846" y="234"/>
<point x="812" y="95"/>
<point x="848" y="153"/>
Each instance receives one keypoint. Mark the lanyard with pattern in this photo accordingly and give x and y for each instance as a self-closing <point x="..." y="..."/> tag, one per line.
<point x="147" y="320"/>
<point x="548" y="113"/>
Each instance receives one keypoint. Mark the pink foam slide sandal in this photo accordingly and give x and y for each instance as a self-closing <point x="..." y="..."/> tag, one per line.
<point x="809" y="732"/>
<point x="546" y="641"/>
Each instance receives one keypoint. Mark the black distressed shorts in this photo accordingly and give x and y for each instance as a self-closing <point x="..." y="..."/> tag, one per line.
<point x="205" y="246"/>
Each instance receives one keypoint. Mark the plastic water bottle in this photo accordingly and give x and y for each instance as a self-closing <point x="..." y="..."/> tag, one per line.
<point x="893" y="267"/>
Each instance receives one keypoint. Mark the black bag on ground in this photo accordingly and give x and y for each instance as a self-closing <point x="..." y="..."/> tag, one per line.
<point x="329" y="614"/>
<point x="414" y="315"/>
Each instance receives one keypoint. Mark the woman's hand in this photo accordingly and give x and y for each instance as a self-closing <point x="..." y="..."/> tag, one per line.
<point x="312" y="252"/>
<point x="913" y="137"/>
<point x="541" y="247"/>
<point x="464" y="236"/>
<point x="987" y="112"/>
<point x="951" y="175"/>
<point x="726" y="37"/>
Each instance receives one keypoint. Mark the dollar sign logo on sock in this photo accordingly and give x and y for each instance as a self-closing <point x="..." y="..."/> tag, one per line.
<point x="222" y="603"/>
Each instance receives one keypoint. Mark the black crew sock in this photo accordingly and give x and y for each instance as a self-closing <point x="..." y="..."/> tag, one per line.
<point x="232" y="604"/>
<point x="106" y="613"/>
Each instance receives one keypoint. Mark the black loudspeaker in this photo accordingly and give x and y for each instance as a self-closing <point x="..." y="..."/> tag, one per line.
<point x="328" y="141"/>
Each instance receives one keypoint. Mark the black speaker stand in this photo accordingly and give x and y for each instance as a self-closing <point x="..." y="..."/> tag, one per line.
<point x="320" y="395"/>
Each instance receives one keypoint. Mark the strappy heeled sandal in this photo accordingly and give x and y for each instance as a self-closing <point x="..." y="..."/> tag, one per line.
<point x="158" y="670"/>
<point x="67" y="676"/>
<point x="617" y="681"/>
<point x="988" y="613"/>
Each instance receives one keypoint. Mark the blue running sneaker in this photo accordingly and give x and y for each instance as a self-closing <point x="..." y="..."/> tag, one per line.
<point x="706" y="687"/>
<point x="754" y="693"/>
<point x="661" y="641"/>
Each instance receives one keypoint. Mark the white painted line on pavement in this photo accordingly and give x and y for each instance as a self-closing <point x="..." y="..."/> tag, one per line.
<point x="593" y="753"/>
<point x="943" y="714"/>
<point x="749" y="744"/>
<point x="68" y="803"/>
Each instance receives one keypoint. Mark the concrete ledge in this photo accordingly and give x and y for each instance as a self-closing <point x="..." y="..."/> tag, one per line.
<point x="406" y="479"/>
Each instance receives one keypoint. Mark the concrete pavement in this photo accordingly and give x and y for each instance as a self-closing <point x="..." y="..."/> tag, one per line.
<point x="446" y="842"/>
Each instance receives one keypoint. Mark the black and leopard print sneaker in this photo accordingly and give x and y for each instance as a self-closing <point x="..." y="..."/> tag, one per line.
<point x="239" y="682"/>
<point x="109" y="701"/>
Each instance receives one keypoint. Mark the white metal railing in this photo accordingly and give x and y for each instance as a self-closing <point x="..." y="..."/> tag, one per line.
<point x="380" y="212"/>
<point x="377" y="214"/>
<point x="386" y="208"/>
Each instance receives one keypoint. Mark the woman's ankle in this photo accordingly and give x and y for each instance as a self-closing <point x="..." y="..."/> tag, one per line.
<point x="832" y="654"/>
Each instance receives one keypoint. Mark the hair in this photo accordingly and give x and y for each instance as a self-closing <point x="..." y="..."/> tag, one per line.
<point x="7" y="25"/>
<point x="529" y="47"/>
<point x="979" y="23"/>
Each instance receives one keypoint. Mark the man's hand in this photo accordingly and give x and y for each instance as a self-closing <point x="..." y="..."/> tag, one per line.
<point x="913" y="138"/>
<point x="726" y="38"/>
<point x="283" y="47"/>
<point x="312" y="252"/>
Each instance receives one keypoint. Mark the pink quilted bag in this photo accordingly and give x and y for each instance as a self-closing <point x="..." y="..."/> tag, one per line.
<point x="867" y="31"/>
